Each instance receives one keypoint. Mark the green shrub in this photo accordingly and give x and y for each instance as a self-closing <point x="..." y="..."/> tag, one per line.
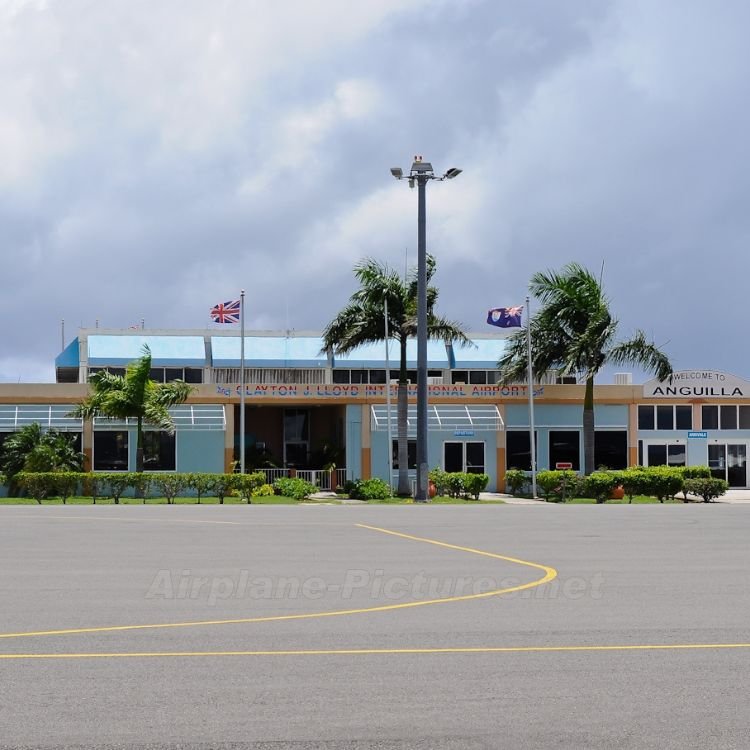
<point x="39" y="484"/>
<point x="474" y="484"/>
<point x="201" y="483"/>
<point x="663" y="482"/>
<point x="92" y="485"/>
<point x="264" y="490"/>
<point x="66" y="483"/>
<point x="294" y="487"/>
<point x="634" y="481"/>
<point x="696" y="472"/>
<point x="515" y="479"/>
<point x="246" y="484"/>
<point x="707" y="488"/>
<point x="440" y="479"/>
<point x="455" y="483"/>
<point x="117" y="483"/>
<point x="371" y="489"/>
<point x="599" y="485"/>
<point x="223" y="484"/>
<point x="558" y="485"/>
<point x="168" y="485"/>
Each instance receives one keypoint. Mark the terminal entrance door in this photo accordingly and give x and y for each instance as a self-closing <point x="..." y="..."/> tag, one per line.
<point x="729" y="461"/>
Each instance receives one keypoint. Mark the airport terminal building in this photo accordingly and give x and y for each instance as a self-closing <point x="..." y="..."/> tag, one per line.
<point x="306" y="411"/>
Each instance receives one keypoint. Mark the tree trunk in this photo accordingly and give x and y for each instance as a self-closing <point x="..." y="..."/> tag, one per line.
<point x="588" y="426"/>
<point x="404" y="485"/>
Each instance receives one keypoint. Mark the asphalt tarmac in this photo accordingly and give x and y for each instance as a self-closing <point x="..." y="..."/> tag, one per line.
<point x="317" y="627"/>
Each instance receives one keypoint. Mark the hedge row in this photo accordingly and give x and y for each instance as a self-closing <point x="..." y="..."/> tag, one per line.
<point x="661" y="482"/>
<point x="65" y="484"/>
<point x="459" y="483"/>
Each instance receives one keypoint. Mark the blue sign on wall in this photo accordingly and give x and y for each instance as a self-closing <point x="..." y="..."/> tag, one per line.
<point x="463" y="433"/>
<point x="698" y="434"/>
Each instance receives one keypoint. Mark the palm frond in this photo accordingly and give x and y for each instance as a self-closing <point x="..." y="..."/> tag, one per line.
<point x="642" y="353"/>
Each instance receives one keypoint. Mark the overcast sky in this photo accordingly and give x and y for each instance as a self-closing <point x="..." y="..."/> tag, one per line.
<point x="157" y="155"/>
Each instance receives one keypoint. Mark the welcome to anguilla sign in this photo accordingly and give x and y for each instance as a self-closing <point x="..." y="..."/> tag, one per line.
<point x="698" y="384"/>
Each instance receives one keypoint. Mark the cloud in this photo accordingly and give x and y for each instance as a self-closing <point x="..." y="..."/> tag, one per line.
<point x="157" y="157"/>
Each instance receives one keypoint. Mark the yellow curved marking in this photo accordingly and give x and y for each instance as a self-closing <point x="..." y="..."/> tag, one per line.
<point x="549" y="574"/>
<point x="389" y="651"/>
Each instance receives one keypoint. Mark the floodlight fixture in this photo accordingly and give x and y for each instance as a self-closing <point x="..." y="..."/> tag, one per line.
<point x="397" y="172"/>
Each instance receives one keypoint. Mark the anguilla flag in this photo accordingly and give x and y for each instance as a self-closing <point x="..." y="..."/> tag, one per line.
<point x="226" y="312"/>
<point x="505" y="317"/>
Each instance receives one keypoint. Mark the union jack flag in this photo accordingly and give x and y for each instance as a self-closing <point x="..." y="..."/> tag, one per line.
<point x="505" y="317"/>
<point x="226" y="312"/>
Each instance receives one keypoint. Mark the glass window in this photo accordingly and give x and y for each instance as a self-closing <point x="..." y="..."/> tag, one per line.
<point x="665" y="417"/>
<point x="359" y="376"/>
<point x="493" y="376"/>
<point x="640" y="453"/>
<point x="564" y="447"/>
<point x="646" y="417"/>
<point x="676" y="455"/>
<point x="475" y="458"/>
<point x="434" y="373"/>
<point x="296" y="426"/>
<point x="657" y="455"/>
<point x="710" y="417"/>
<point x="341" y="376"/>
<point x="454" y="456"/>
<point x="193" y="375"/>
<point x="459" y="376"/>
<point x="684" y="417"/>
<point x="729" y="417"/>
<point x="411" y="376"/>
<point x="611" y="449"/>
<point x="518" y="450"/>
<point x="157" y="374"/>
<point x="411" y="447"/>
<point x="173" y="373"/>
<point x="744" y="417"/>
<point x="159" y="452"/>
<point x="378" y="376"/>
<point x="478" y="377"/>
<point x="111" y="450"/>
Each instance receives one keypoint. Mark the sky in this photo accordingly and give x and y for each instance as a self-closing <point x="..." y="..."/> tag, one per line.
<point x="158" y="155"/>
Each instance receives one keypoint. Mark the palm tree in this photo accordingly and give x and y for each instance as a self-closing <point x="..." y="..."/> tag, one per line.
<point x="136" y="396"/>
<point x="362" y="321"/>
<point x="574" y="332"/>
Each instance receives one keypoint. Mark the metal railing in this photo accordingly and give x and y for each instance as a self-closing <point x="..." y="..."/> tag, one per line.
<point x="323" y="479"/>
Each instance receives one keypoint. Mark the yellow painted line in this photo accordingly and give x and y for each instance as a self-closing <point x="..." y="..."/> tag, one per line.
<point x="549" y="574"/>
<point x="390" y="651"/>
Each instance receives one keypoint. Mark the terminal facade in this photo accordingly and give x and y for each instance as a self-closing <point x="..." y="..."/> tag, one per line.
<point x="307" y="411"/>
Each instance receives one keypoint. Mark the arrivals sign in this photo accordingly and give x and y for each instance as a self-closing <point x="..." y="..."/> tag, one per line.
<point x="698" y="384"/>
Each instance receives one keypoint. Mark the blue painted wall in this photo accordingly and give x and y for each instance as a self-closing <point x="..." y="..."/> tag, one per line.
<point x="354" y="441"/>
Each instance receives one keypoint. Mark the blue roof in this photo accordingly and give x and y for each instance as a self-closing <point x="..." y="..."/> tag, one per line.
<point x="69" y="356"/>
<point x="166" y="351"/>
<point x="484" y="354"/>
<point x="268" y="351"/>
<point x="373" y="356"/>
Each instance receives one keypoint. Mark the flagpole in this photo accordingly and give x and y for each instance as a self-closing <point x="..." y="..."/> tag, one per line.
<point x="532" y="441"/>
<point x="388" y="395"/>
<point x="242" y="381"/>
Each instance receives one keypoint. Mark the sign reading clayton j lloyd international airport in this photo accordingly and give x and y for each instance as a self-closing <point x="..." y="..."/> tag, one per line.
<point x="698" y="383"/>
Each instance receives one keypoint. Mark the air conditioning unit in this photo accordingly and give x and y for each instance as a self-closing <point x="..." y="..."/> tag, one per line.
<point x="623" y="378"/>
<point x="459" y="382"/>
<point x="435" y="381"/>
<point x="394" y="381"/>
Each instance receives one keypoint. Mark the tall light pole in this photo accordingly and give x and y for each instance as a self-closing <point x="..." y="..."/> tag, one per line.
<point x="421" y="173"/>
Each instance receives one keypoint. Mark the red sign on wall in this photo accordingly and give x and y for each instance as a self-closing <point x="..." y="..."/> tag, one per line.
<point x="563" y="465"/>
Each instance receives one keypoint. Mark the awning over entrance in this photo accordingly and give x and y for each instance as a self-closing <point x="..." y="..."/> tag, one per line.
<point x="479" y="418"/>
<point x="185" y="416"/>
<point x="15" y="416"/>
